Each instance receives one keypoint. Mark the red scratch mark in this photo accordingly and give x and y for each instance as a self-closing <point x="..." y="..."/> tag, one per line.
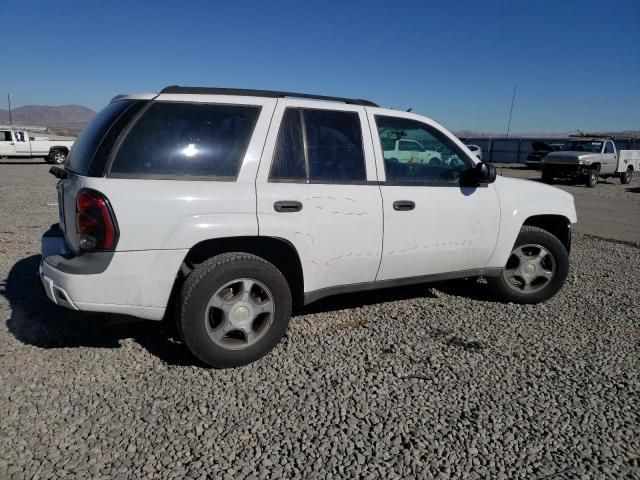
<point x="415" y="247"/>
<point x="315" y="263"/>
<point x="401" y="250"/>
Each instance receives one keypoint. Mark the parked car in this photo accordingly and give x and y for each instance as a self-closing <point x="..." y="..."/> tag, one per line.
<point x="231" y="206"/>
<point x="18" y="143"/>
<point x="476" y="150"/>
<point x="540" y="150"/>
<point x="588" y="159"/>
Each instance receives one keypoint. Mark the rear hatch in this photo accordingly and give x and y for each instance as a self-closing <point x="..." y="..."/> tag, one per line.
<point x="88" y="157"/>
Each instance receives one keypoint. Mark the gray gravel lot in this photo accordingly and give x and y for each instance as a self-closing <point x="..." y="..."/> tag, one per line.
<point x="428" y="382"/>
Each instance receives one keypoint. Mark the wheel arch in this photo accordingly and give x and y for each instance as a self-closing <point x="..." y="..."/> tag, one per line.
<point x="557" y="225"/>
<point x="57" y="148"/>
<point x="278" y="251"/>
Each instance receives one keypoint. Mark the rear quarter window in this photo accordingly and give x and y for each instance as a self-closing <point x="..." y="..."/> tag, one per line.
<point x="84" y="148"/>
<point x="186" y="140"/>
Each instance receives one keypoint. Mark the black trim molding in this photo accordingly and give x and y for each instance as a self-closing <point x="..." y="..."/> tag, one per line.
<point x="311" y="297"/>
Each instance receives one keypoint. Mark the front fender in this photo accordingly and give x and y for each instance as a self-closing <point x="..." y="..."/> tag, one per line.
<point x="520" y="200"/>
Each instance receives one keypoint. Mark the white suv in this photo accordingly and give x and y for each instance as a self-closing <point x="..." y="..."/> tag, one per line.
<point x="234" y="205"/>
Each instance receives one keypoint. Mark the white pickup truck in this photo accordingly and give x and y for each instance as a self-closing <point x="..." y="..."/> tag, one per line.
<point x="18" y="143"/>
<point x="589" y="157"/>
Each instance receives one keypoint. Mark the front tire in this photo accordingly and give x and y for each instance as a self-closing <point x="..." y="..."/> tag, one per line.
<point x="536" y="270"/>
<point x="592" y="177"/>
<point x="235" y="308"/>
<point x="547" y="177"/>
<point x="625" y="178"/>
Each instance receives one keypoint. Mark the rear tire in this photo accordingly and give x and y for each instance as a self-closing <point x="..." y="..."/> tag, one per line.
<point x="547" y="177"/>
<point x="592" y="177"/>
<point x="625" y="178"/>
<point x="531" y="284"/>
<point x="57" y="157"/>
<point x="229" y="293"/>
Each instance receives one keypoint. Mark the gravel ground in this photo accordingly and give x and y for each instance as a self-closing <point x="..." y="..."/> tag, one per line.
<point x="428" y="382"/>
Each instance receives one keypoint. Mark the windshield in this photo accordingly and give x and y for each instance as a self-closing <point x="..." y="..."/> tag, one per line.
<point x="583" y="146"/>
<point x="85" y="146"/>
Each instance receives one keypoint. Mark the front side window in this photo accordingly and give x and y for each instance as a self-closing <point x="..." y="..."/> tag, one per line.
<point x="320" y="146"/>
<point x="438" y="161"/>
<point x="608" y="148"/>
<point x="175" y="139"/>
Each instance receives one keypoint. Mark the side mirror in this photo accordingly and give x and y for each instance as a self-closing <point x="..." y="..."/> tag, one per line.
<point x="485" y="173"/>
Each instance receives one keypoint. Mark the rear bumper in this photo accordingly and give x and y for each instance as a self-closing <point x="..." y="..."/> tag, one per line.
<point x="131" y="283"/>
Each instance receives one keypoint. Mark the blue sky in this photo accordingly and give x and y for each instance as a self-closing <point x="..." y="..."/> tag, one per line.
<point x="576" y="63"/>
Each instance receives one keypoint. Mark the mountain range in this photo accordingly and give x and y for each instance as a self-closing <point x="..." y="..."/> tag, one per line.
<point x="72" y="117"/>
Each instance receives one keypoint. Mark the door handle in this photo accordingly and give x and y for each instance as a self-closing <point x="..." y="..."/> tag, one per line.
<point x="287" y="206"/>
<point x="403" y="205"/>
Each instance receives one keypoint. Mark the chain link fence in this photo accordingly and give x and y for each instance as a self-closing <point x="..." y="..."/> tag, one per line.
<point x="516" y="150"/>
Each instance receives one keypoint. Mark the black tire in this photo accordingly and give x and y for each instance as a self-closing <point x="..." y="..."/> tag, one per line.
<point x="592" y="177"/>
<point x="547" y="177"/>
<point x="200" y="286"/>
<point x="57" y="157"/>
<point x="625" y="178"/>
<point x="535" y="235"/>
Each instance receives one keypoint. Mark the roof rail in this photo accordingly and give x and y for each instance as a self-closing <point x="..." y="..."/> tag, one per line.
<point x="263" y="93"/>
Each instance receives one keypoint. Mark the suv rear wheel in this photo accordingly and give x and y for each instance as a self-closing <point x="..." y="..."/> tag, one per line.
<point x="235" y="308"/>
<point x="536" y="269"/>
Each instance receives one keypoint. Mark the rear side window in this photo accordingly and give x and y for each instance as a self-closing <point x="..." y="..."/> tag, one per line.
<point x="79" y="159"/>
<point x="288" y="158"/>
<point x="186" y="140"/>
<point x="319" y="145"/>
<point x="6" y="136"/>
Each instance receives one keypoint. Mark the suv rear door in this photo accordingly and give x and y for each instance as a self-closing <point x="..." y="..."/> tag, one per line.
<point x="432" y="224"/>
<point x="317" y="189"/>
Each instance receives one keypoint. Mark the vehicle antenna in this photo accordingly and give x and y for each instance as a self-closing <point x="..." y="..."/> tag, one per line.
<point x="409" y="109"/>
<point x="513" y="100"/>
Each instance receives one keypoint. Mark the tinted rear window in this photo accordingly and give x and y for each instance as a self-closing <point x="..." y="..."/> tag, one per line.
<point x="174" y="139"/>
<point x="84" y="147"/>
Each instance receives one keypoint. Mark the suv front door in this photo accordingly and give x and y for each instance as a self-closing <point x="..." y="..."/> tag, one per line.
<point x="317" y="189"/>
<point x="432" y="223"/>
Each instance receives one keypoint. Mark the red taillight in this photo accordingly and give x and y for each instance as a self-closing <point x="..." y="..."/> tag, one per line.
<point x="95" y="224"/>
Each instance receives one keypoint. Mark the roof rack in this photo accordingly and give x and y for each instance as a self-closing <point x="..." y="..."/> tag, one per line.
<point x="608" y="136"/>
<point x="263" y="93"/>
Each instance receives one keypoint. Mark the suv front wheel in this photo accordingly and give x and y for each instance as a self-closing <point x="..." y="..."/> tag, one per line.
<point x="536" y="269"/>
<point x="235" y="308"/>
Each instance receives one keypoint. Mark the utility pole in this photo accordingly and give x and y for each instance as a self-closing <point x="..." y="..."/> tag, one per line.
<point x="9" y="101"/>
<point x="513" y="99"/>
